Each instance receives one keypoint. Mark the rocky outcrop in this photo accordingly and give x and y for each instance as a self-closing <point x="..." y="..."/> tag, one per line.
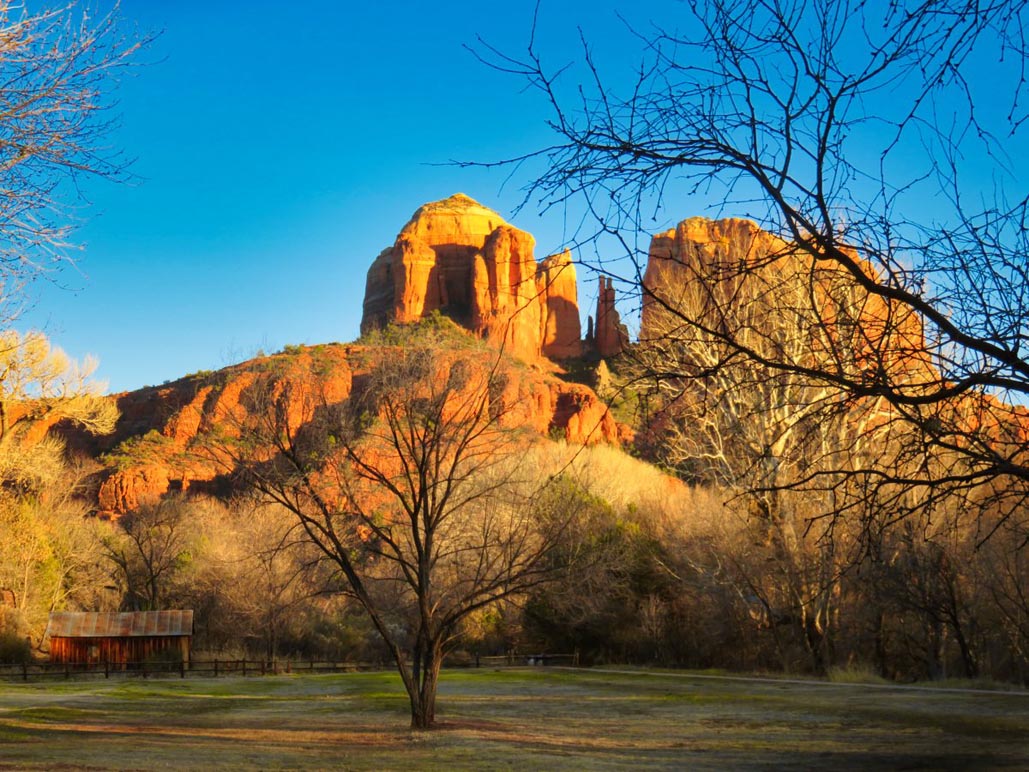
<point x="707" y="269"/>
<point x="696" y="249"/>
<point x="460" y="258"/>
<point x="128" y="490"/>
<point x="168" y="439"/>
<point x="560" y="329"/>
<point x="609" y="336"/>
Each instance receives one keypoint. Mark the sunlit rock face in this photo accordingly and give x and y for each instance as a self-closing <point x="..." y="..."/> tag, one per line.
<point x="610" y="336"/>
<point x="708" y="268"/>
<point x="560" y="329"/>
<point x="460" y="258"/>
<point x="171" y="439"/>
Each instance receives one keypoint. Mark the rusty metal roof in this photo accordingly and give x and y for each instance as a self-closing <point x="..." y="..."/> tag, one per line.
<point x="119" y="624"/>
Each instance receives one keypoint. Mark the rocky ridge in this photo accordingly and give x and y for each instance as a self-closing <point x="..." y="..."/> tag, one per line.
<point x="163" y="442"/>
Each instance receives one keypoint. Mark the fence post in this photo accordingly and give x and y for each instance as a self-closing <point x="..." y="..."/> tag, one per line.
<point x="67" y="672"/>
<point x="107" y="668"/>
<point x="215" y="667"/>
<point x="24" y="670"/>
<point x="244" y="665"/>
<point x="182" y="668"/>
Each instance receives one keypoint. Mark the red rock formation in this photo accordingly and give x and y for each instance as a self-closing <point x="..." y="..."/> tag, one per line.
<point x="560" y="328"/>
<point x="609" y="335"/>
<point x="720" y="255"/>
<point x="128" y="490"/>
<point x="506" y="308"/>
<point x="163" y="436"/>
<point x="460" y="258"/>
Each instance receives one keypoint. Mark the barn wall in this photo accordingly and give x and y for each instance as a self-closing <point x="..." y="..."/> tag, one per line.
<point x="118" y="650"/>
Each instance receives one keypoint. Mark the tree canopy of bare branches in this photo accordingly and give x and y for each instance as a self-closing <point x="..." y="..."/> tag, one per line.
<point x="879" y="139"/>
<point x="39" y="386"/>
<point x="57" y="69"/>
<point x="410" y="486"/>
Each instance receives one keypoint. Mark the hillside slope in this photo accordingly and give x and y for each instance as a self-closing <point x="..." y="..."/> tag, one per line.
<point x="163" y="440"/>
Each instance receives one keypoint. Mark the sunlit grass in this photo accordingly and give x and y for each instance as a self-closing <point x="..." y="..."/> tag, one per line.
<point x="855" y="674"/>
<point x="507" y="719"/>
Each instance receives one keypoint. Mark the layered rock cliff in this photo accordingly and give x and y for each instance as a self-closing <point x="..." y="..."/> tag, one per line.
<point x="166" y="439"/>
<point x="460" y="258"/>
<point x="707" y="269"/>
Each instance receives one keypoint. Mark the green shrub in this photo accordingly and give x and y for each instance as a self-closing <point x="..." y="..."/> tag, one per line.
<point x="435" y="328"/>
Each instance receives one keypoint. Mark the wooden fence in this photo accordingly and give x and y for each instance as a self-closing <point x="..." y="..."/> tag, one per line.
<point x="38" y="671"/>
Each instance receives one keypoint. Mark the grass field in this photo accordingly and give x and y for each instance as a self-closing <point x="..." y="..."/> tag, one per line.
<point x="510" y="719"/>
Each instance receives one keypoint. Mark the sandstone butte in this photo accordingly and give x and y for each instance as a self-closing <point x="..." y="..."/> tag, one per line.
<point x="460" y="258"/>
<point x="888" y="341"/>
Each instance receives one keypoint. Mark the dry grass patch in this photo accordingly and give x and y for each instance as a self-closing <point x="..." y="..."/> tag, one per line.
<point x="511" y="719"/>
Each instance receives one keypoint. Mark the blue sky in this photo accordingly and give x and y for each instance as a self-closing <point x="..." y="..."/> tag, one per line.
<point x="278" y="148"/>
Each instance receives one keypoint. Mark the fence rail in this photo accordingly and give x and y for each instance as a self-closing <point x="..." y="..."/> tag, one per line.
<point x="37" y="671"/>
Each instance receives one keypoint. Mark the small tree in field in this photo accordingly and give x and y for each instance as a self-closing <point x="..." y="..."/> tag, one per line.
<point x="410" y="487"/>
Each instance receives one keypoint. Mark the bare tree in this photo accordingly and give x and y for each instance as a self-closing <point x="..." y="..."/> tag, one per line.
<point x="250" y="577"/>
<point x="833" y="124"/>
<point x="150" y="549"/>
<point x="410" y="485"/>
<point x="56" y="70"/>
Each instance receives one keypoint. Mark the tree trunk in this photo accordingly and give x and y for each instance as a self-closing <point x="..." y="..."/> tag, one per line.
<point x="881" y="656"/>
<point x="968" y="659"/>
<point x="422" y="689"/>
<point x="935" y="664"/>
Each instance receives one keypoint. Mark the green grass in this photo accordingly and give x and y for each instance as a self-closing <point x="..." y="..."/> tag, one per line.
<point x="508" y="719"/>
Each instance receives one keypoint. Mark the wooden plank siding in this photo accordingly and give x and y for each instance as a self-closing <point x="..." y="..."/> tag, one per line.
<point x="120" y="651"/>
<point x="122" y="639"/>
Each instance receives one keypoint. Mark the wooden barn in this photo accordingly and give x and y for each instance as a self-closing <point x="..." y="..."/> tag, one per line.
<point x="121" y="638"/>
